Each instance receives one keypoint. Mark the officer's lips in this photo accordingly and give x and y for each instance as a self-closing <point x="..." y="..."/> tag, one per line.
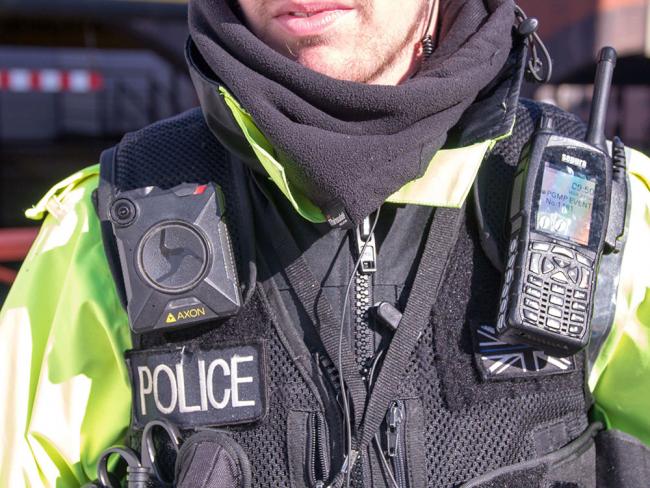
<point x="310" y="19"/>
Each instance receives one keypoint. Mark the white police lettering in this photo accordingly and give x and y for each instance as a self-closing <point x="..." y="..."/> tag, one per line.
<point x="169" y="388"/>
<point x="144" y="390"/>
<point x="193" y="386"/>
<point x="172" y="388"/>
<point x="202" y="388"/>
<point x="235" y="381"/>
<point x="226" y="392"/>
<point x="183" y="407"/>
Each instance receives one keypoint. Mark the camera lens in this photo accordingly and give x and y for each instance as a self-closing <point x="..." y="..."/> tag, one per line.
<point x="123" y="211"/>
<point x="173" y="256"/>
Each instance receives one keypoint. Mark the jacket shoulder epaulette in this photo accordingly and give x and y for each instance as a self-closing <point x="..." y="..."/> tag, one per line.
<point x="169" y="152"/>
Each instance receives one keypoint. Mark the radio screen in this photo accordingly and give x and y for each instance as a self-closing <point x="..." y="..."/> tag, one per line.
<point x="565" y="203"/>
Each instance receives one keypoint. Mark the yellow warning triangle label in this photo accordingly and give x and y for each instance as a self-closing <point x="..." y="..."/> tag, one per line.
<point x="170" y="318"/>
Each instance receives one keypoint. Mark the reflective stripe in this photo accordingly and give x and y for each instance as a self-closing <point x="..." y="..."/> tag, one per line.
<point x="51" y="80"/>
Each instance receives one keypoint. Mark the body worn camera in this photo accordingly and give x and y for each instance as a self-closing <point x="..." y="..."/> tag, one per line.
<point x="559" y="214"/>
<point x="176" y="256"/>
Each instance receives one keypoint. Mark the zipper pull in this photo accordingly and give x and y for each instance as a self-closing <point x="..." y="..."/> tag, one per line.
<point x="394" y="419"/>
<point x="369" y="255"/>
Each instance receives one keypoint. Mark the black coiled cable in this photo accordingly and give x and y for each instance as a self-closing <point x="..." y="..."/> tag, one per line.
<point x="539" y="70"/>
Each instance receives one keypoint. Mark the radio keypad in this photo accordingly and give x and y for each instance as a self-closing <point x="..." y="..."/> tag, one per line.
<point x="530" y="303"/>
<point x="575" y="317"/>
<point x="534" y="263"/>
<point x="563" y="251"/>
<point x="532" y="316"/>
<point x="561" y="262"/>
<point x="573" y="274"/>
<point x="560" y="290"/>
<point x="559" y="277"/>
<point x="553" y="324"/>
<point x="584" y="282"/>
<point x="547" y="266"/>
<point x="533" y="292"/>
<point x="557" y="287"/>
<point x="580" y="307"/>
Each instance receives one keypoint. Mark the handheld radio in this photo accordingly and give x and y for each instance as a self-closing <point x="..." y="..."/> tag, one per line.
<point x="558" y="214"/>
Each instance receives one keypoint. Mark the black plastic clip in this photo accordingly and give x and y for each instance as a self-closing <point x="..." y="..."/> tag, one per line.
<point x="619" y="200"/>
<point x="539" y="70"/>
<point x="141" y="470"/>
<point x="387" y="315"/>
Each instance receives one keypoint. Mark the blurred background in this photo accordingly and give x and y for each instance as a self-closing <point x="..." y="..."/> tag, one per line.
<point x="76" y="74"/>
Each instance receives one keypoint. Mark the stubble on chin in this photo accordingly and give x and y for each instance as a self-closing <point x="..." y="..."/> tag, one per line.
<point x="363" y="58"/>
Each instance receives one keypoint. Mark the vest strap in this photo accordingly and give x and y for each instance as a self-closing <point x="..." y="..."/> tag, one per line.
<point x="443" y="234"/>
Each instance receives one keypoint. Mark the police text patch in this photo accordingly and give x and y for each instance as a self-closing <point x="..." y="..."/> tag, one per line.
<point x="194" y="387"/>
<point x="498" y="360"/>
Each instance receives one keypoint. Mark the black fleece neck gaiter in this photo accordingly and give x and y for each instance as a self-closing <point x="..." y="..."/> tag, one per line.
<point x="348" y="146"/>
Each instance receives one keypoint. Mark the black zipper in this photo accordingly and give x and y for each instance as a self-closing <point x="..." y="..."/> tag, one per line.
<point x="318" y="461"/>
<point x="364" y="337"/>
<point x="396" y="441"/>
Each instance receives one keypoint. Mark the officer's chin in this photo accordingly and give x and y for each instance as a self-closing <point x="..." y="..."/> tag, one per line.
<point x="331" y="61"/>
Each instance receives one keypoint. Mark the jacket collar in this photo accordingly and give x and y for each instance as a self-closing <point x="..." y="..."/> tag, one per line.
<point x="450" y="174"/>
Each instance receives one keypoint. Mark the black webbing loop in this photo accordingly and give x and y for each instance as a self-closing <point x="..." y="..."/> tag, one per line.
<point x="314" y="302"/>
<point x="443" y="234"/>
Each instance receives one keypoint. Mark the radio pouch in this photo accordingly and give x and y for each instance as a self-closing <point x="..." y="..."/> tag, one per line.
<point x="212" y="459"/>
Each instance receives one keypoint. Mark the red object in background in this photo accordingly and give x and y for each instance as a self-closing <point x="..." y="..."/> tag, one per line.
<point x="14" y="245"/>
<point x="50" y="80"/>
<point x="7" y="275"/>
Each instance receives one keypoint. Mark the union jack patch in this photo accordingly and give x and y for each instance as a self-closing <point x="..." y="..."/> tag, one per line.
<point x="498" y="360"/>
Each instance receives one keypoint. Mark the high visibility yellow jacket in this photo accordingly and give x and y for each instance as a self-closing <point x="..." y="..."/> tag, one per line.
<point x="64" y="386"/>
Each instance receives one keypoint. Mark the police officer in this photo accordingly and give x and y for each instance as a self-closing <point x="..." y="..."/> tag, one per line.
<point x="346" y="137"/>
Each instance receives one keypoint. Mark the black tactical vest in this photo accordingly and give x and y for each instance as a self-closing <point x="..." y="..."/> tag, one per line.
<point x="451" y="422"/>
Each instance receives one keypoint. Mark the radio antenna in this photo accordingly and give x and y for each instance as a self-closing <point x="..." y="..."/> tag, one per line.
<point x="602" y="85"/>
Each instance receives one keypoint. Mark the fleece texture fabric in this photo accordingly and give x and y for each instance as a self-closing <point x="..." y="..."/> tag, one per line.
<point x="377" y="137"/>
